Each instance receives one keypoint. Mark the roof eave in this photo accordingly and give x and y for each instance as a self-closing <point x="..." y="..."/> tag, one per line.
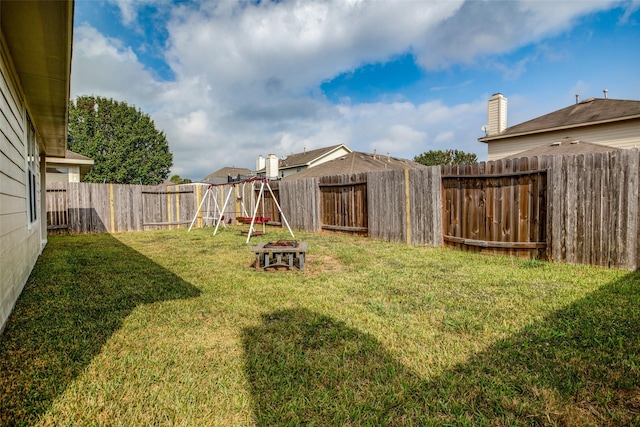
<point x="487" y="139"/>
<point x="39" y="37"/>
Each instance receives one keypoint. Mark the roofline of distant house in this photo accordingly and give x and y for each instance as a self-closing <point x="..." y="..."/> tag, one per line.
<point x="325" y="154"/>
<point x="286" y="166"/>
<point x="557" y="128"/>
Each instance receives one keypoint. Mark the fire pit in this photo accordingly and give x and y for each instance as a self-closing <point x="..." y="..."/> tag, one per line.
<point x="282" y="253"/>
<point x="282" y="243"/>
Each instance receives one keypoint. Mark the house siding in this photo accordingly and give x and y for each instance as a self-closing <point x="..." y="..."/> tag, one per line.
<point x="624" y="135"/>
<point x="20" y="241"/>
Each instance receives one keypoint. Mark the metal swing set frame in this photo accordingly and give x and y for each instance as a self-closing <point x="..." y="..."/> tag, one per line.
<point x="218" y="214"/>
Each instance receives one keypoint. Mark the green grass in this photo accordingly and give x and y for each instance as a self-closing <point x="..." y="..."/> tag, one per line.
<point x="177" y="328"/>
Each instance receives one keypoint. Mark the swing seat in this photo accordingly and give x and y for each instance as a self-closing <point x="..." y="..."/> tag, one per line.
<point x="259" y="219"/>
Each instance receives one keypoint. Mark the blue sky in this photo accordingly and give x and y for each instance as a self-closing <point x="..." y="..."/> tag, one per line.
<point x="228" y="81"/>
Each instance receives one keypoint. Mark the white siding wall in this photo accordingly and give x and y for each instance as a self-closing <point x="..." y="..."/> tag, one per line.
<point x="620" y="135"/>
<point x="20" y="242"/>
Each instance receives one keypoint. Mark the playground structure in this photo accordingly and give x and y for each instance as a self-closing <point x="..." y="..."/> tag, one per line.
<point x="246" y="207"/>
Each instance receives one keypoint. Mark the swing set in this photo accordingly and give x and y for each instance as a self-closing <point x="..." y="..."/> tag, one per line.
<point x="213" y="211"/>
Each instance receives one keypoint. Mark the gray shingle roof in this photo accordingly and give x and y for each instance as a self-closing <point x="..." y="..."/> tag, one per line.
<point x="564" y="146"/>
<point x="76" y="156"/>
<point x="589" y="111"/>
<point x="302" y="159"/>
<point x="355" y="162"/>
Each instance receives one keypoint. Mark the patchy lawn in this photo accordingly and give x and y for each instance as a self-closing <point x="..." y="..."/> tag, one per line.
<point x="177" y="328"/>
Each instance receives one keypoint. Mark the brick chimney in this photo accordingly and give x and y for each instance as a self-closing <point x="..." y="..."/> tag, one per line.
<point x="497" y="117"/>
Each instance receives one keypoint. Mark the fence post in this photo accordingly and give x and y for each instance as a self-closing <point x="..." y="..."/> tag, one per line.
<point x="407" y="202"/>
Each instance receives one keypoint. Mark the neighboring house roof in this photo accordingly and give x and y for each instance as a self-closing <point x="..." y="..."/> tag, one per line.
<point x="71" y="159"/>
<point x="39" y="37"/>
<point x="306" y="158"/>
<point x="589" y="112"/>
<point x="221" y="175"/>
<point x="355" y="162"/>
<point x="564" y="146"/>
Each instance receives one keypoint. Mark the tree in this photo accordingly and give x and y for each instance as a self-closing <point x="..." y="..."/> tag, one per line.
<point x="177" y="179"/>
<point x="449" y="157"/>
<point x="123" y="142"/>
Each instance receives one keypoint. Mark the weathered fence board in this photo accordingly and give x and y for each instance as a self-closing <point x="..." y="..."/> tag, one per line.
<point x="57" y="207"/>
<point x="595" y="206"/>
<point x="300" y="200"/>
<point x="425" y="206"/>
<point x="387" y="207"/>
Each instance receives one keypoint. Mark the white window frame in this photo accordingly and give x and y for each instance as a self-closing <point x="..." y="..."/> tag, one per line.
<point x="32" y="174"/>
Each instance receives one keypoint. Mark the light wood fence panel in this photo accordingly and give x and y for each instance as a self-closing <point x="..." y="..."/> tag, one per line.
<point x="57" y="207"/>
<point x="300" y="200"/>
<point x="595" y="205"/>
<point x="387" y="205"/>
<point x="425" y="206"/>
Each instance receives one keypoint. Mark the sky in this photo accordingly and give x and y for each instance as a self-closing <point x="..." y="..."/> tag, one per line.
<point x="227" y="81"/>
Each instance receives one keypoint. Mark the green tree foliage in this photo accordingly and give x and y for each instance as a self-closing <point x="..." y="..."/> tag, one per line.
<point x="448" y="157"/>
<point x="123" y="142"/>
<point x="177" y="179"/>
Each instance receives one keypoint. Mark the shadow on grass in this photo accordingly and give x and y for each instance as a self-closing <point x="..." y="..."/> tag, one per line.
<point x="579" y="366"/>
<point x="79" y="293"/>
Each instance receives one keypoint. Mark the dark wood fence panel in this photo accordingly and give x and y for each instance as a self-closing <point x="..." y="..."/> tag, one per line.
<point x="300" y="201"/>
<point x="343" y="203"/>
<point x="496" y="207"/>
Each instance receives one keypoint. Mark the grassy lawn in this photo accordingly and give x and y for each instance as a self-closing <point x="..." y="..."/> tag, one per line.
<point x="177" y="328"/>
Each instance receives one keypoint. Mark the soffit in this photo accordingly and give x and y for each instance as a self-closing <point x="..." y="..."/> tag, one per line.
<point x="39" y="35"/>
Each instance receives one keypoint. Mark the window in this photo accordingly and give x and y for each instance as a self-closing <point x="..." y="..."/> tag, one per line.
<point x="32" y="173"/>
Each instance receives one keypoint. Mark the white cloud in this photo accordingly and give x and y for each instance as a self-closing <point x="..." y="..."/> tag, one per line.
<point x="247" y="75"/>
<point x="496" y="27"/>
<point x="106" y="67"/>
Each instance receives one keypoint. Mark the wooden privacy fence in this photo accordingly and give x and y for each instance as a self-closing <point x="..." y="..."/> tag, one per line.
<point x="98" y="208"/>
<point x="579" y="208"/>
<point x="399" y="206"/>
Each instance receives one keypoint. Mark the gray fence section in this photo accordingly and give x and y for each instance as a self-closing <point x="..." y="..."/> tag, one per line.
<point x="100" y="208"/>
<point x="300" y="203"/>
<point x="594" y="209"/>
